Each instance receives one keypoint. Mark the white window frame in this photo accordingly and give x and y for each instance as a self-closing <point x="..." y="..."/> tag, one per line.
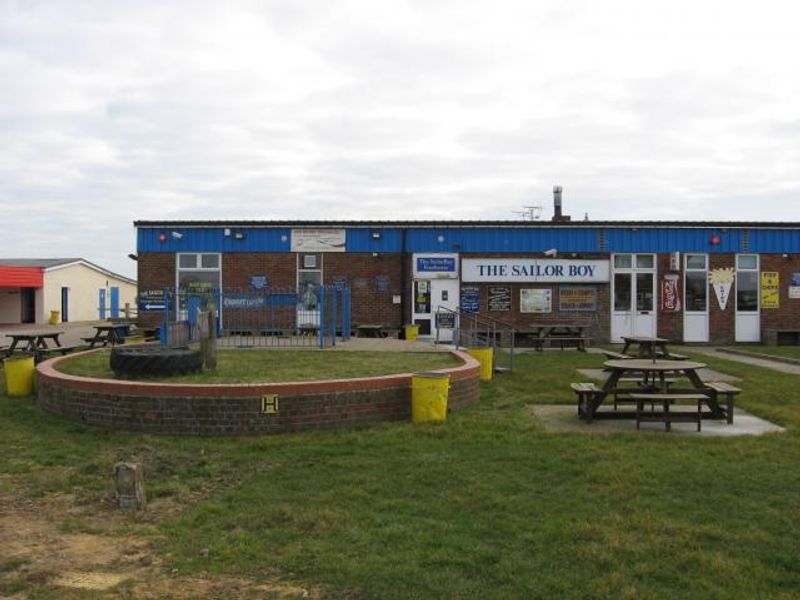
<point x="687" y="269"/>
<point x="757" y="271"/>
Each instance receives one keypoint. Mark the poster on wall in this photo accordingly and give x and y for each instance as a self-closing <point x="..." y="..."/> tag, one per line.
<point x="470" y="298"/>
<point x="794" y="286"/>
<point x="577" y="299"/>
<point x="499" y="299"/>
<point x="722" y="281"/>
<point x="318" y="240"/>
<point x="770" y="289"/>
<point x="670" y="294"/>
<point x="536" y="301"/>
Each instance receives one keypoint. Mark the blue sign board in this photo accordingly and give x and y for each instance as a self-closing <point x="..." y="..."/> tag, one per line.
<point x="151" y="300"/>
<point x="436" y="264"/>
<point x="470" y="299"/>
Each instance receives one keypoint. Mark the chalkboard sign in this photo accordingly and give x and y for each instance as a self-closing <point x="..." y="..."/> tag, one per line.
<point x="445" y="320"/>
<point x="470" y="298"/>
<point x="499" y="298"/>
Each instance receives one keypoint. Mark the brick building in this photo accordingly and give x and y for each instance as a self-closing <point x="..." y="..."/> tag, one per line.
<point x="716" y="282"/>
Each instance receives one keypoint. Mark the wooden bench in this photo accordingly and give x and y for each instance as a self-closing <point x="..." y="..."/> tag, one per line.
<point x="641" y="385"/>
<point x="674" y="356"/>
<point x="720" y="388"/>
<point x="44" y="353"/>
<point x="586" y="391"/>
<point x="667" y="416"/>
<point x="615" y="355"/>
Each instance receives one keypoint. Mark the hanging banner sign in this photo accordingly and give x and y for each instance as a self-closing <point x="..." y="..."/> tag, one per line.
<point x="670" y="294"/>
<point x="794" y="286"/>
<point x="536" y="301"/>
<point x="318" y="240"/>
<point x="722" y="281"/>
<point x="770" y="289"/>
<point x="534" y="270"/>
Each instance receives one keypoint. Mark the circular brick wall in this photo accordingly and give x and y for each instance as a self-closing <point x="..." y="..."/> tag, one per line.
<point x="236" y="409"/>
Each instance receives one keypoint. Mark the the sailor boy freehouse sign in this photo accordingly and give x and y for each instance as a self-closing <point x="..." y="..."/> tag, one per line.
<point x="531" y="270"/>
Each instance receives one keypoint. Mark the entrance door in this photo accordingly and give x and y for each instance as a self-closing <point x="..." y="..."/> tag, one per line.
<point x="633" y="290"/>
<point x="748" y="315"/>
<point x="444" y="295"/>
<point x="101" y="301"/>
<point x="64" y="304"/>
<point x="28" y="297"/>
<point x="695" y="284"/>
<point x="114" y="302"/>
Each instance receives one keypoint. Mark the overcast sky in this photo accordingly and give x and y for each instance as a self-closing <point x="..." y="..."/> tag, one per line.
<point x="420" y="109"/>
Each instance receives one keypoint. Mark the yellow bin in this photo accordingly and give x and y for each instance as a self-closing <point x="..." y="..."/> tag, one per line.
<point x="429" y="393"/>
<point x="412" y="331"/>
<point x="19" y="376"/>
<point x="55" y="317"/>
<point x="486" y="358"/>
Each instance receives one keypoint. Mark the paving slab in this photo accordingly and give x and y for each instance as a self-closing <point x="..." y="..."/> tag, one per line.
<point x="563" y="418"/>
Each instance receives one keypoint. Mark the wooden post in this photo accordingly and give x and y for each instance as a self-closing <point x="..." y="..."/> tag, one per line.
<point x="127" y="311"/>
<point x="129" y="485"/>
<point x="211" y="360"/>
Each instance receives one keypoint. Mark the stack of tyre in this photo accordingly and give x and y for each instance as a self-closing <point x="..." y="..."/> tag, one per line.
<point x="154" y="361"/>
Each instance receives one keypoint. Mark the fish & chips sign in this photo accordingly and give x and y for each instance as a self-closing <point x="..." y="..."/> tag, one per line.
<point x="526" y="270"/>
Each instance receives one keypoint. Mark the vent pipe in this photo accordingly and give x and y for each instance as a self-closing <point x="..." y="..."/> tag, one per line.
<point x="557" y="215"/>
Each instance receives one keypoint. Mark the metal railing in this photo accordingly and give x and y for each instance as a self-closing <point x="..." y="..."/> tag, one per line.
<point x="472" y="330"/>
<point x="249" y="318"/>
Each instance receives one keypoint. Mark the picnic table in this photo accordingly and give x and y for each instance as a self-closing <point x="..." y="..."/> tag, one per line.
<point x="371" y="331"/>
<point x="555" y="333"/>
<point x="654" y="372"/>
<point x="33" y="340"/>
<point x="106" y="334"/>
<point x="648" y="347"/>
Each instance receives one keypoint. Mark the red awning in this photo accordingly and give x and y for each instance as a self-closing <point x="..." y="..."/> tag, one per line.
<point x="15" y="277"/>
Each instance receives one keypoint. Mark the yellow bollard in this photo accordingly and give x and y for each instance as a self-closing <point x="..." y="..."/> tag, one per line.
<point x="486" y="358"/>
<point x="429" y="393"/>
<point x="19" y="375"/>
<point x="412" y="331"/>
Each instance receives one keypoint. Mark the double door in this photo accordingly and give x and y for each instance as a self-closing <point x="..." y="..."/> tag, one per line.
<point x="633" y="284"/>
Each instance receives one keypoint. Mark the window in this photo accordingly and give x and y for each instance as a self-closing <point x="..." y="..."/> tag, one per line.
<point x="644" y="261"/>
<point x="747" y="283"/>
<point x="696" y="282"/>
<point x="198" y="272"/>
<point x="623" y="261"/>
<point x="622" y="291"/>
<point x="309" y="278"/>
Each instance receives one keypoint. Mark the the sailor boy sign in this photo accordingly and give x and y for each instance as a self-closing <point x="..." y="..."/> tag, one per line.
<point x="526" y="270"/>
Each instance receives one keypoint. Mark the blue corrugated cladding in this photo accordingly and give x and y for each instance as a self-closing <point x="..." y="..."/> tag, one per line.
<point x="480" y="239"/>
<point x="496" y="239"/>
<point x="672" y="240"/>
<point x="373" y="240"/>
<point x="775" y="240"/>
<point x="213" y="239"/>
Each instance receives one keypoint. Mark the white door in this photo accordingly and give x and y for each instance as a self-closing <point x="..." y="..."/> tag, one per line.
<point x="695" y="285"/>
<point x="444" y="296"/>
<point x="633" y="291"/>
<point x="748" y="314"/>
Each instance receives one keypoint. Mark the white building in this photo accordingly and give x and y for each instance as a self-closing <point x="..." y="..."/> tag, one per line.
<point x="30" y="289"/>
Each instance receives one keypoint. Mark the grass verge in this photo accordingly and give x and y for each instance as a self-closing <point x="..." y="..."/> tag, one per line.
<point x="486" y="505"/>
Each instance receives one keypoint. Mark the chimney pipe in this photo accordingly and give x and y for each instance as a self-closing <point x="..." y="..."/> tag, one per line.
<point x="557" y="215"/>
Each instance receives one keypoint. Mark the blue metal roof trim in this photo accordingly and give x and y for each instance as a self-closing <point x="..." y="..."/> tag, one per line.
<point x="201" y="239"/>
<point x="774" y="240"/>
<point x="361" y="240"/>
<point x="672" y="240"/>
<point x="497" y="239"/>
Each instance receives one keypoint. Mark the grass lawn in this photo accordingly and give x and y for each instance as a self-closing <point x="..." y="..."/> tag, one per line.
<point x="253" y="366"/>
<point x="487" y="505"/>
<point x="787" y="351"/>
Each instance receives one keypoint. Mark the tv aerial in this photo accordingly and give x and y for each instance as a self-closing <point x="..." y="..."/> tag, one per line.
<point x="530" y="213"/>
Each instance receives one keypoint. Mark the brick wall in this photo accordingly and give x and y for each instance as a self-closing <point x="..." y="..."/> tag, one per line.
<point x="367" y="275"/>
<point x="155" y="271"/>
<point x="236" y="409"/>
<point x="787" y="316"/>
